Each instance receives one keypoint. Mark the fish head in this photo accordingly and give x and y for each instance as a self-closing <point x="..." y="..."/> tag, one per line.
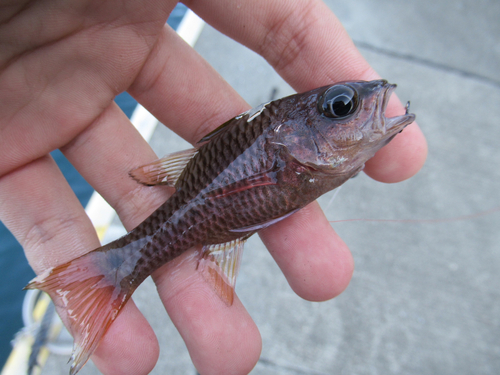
<point x="343" y="125"/>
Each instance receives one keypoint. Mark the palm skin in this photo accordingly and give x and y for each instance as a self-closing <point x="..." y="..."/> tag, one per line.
<point x="62" y="63"/>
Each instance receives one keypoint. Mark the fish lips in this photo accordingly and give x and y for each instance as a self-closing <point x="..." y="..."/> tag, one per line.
<point x="390" y="126"/>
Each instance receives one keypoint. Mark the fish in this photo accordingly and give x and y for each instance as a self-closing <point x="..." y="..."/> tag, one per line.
<point x="251" y="172"/>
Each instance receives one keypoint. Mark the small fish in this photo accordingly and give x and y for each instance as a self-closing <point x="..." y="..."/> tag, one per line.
<point x="251" y="172"/>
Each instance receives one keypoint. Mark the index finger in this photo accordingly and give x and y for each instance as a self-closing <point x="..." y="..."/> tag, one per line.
<point x="176" y="75"/>
<point x="307" y="45"/>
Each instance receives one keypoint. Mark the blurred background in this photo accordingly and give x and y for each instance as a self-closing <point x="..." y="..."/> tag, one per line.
<point x="425" y="296"/>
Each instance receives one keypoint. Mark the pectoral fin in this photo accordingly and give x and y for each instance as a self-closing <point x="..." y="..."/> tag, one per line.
<point x="251" y="182"/>
<point x="219" y="265"/>
<point x="164" y="171"/>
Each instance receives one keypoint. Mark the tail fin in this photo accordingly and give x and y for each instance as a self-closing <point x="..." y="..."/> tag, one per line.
<point x="92" y="296"/>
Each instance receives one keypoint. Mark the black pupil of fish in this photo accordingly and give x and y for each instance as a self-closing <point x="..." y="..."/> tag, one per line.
<point x="339" y="102"/>
<point x="340" y="106"/>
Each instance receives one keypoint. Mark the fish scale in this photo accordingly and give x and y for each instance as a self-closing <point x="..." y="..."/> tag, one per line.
<point x="195" y="179"/>
<point x="251" y="172"/>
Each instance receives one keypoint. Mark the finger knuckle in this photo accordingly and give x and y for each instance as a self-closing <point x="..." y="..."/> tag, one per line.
<point x="287" y="35"/>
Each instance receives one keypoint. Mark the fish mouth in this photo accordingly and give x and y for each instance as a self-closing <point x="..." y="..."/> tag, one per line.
<point x="392" y="125"/>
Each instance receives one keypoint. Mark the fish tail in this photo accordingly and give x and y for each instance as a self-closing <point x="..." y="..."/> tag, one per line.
<point x="91" y="292"/>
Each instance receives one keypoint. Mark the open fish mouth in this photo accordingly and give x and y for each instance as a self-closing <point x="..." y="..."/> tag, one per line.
<point x="392" y="125"/>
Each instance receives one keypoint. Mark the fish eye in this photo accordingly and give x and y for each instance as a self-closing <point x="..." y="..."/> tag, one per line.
<point x="338" y="101"/>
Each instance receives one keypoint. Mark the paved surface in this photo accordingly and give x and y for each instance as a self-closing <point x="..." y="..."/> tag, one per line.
<point x="425" y="297"/>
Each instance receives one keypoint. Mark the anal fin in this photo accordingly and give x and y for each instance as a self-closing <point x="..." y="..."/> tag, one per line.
<point x="164" y="171"/>
<point x="219" y="264"/>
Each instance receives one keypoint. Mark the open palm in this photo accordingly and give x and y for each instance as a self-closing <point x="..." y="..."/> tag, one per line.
<point x="61" y="65"/>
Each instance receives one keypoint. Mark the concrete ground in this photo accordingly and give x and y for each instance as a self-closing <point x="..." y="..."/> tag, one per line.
<point x="425" y="297"/>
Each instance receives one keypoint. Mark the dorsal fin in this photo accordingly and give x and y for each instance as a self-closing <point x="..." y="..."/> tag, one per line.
<point x="252" y="113"/>
<point x="219" y="264"/>
<point x="217" y="130"/>
<point x="164" y="171"/>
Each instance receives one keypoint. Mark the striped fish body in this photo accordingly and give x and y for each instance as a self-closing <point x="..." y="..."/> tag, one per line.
<point x="253" y="171"/>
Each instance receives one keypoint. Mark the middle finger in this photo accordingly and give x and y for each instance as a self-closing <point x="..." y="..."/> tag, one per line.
<point x="202" y="100"/>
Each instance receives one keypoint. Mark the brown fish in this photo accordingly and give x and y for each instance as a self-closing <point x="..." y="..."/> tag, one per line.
<point x="253" y="171"/>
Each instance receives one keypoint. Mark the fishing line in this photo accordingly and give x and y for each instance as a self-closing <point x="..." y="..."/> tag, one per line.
<point x="426" y="221"/>
<point x="335" y="192"/>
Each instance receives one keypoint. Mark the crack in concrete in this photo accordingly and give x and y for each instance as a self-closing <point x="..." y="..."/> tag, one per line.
<point x="290" y="369"/>
<point x="427" y="63"/>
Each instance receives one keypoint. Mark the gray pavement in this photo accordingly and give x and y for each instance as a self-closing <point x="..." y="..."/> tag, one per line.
<point x="425" y="297"/>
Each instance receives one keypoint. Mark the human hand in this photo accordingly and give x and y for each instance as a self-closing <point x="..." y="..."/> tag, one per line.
<point x="58" y="80"/>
